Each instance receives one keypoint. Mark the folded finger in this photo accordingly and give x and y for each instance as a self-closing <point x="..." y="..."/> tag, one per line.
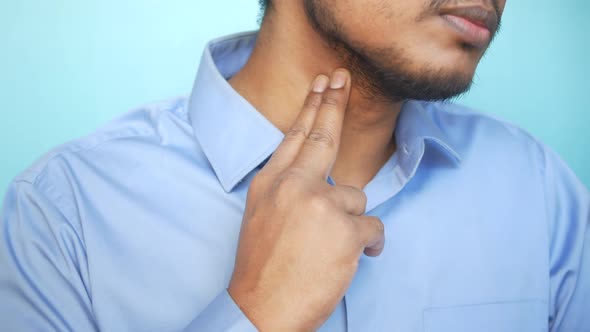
<point x="350" y="199"/>
<point x="371" y="234"/>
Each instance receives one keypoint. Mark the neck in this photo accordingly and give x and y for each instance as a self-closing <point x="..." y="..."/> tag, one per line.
<point x="288" y="54"/>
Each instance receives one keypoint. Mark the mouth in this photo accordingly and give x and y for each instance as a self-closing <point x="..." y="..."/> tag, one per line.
<point x="475" y="25"/>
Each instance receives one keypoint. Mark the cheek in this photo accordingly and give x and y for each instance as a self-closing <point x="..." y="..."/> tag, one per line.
<point x="369" y="21"/>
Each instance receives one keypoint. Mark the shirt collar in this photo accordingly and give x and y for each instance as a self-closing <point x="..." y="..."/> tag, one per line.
<point x="417" y="125"/>
<point x="236" y="138"/>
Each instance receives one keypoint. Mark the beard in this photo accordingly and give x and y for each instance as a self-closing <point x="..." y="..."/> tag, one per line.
<point x="384" y="73"/>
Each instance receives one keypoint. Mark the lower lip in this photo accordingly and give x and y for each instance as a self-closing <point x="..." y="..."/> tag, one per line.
<point x="471" y="33"/>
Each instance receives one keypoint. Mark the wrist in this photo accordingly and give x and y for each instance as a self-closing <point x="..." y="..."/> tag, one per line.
<point x="265" y="316"/>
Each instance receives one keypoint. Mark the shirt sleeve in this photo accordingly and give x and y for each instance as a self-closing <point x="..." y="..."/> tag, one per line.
<point x="42" y="266"/>
<point x="44" y="275"/>
<point x="223" y="314"/>
<point x="568" y="208"/>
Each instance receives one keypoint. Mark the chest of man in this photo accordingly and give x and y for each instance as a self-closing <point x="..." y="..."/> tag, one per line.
<point x="454" y="260"/>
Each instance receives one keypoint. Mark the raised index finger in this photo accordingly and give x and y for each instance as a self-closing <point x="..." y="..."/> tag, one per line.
<point x="287" y="151"/>
<point x="320" y="149"/>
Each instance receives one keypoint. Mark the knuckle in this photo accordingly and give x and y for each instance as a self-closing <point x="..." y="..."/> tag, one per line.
<point x="362" y="202"/>
<point x="288" y="184"/>
<point x="331" y="98"/>
<point x="313" y="101"/>
<point x="319" y="204"/>
<point x="363" y="198"/>
<point x="377" y="224"/>
<point x="296" y="133"/>
<point x="322" y="137"/>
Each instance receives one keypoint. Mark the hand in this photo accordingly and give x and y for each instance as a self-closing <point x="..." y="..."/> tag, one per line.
<point x="301" y="238"/>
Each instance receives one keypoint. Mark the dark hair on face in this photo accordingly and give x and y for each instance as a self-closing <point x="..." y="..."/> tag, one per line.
<point x="264" y="7"/>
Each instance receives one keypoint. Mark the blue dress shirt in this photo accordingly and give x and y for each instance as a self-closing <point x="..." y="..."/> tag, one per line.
<point x="135" y="227"/>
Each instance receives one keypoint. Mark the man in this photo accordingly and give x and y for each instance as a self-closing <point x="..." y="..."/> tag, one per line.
<point x="136" y="227"/>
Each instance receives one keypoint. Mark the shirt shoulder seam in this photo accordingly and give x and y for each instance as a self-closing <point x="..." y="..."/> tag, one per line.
<point x="59" y="201"/>
<point x="32" y="174"/>
<point x="467" y="111"/>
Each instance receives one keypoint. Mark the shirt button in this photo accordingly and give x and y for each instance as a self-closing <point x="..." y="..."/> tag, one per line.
<point x="405" y="149"/>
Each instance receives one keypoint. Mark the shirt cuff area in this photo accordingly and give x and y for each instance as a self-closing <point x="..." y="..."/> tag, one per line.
<point x="223" y="314"/>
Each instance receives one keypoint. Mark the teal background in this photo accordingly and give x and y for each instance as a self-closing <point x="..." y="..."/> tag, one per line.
<point x="68" y="66"/>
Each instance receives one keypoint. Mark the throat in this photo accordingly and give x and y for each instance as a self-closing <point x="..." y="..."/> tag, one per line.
<point x="276" y="80"/>
<point x="357" y="164"/>
<point x="367" y="140"/>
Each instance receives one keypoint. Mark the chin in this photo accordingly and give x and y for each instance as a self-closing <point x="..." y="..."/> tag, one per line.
<point x="458" y="64"/>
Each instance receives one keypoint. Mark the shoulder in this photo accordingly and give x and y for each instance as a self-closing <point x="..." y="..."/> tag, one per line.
<point x="452" y="116"/>
<point x="71" y="177"/>
<point x="483" y="135"/>
<point x="506" y="146"/>
<point x="143" y="125"/>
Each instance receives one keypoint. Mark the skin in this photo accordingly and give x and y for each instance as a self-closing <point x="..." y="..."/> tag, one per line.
<point x="291" y="51"/>
<point x="290" y="204"/>
<point x="299" y="234"/>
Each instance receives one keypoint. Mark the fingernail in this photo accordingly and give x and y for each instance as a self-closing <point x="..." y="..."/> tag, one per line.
<point x="339" y="79"/>
<point x="320" y="84"/>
